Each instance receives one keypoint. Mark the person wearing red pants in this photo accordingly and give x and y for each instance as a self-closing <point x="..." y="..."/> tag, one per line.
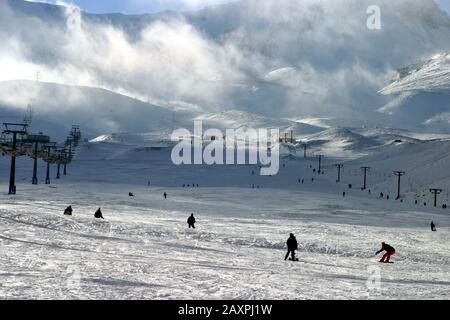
<point x="390" y="251"/>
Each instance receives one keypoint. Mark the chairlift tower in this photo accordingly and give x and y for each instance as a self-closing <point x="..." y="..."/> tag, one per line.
<point x="339" y="167"/>
<point x="14" y="129"/>
<point x="436" y="192"/>
<point x="48" y="147"/>
<point x="399" y="175"/>
<point x="365" y="170"/>
<point x="69" y="143"/>
<point x="36" y="139"/>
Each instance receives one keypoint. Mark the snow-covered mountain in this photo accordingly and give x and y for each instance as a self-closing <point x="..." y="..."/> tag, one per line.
<point x="278" y="59"/>
<point x="423" y="91"/>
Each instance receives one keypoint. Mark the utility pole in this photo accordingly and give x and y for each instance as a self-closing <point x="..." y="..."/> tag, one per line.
<point x="320" y="157"/>
<point x="399" y="174"/>
<point x="18" y="129"/>
<point x="339" y="167"/>
<point x="365" y="170"/>
<point x="436" y="192"/>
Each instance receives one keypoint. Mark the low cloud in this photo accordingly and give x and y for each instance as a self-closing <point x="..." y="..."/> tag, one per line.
<point x="335" y="64"/>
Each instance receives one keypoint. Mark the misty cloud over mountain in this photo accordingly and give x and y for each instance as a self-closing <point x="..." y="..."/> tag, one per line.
<point x="281" y="58"/>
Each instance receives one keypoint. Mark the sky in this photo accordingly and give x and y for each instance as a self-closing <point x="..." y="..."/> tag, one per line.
<point x="150" y="6"/>
<point x="137" y="6"/>
<point x="445" y="4"/>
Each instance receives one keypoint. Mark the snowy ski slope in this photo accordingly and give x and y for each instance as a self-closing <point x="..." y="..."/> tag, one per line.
<point x="143" y="249"/>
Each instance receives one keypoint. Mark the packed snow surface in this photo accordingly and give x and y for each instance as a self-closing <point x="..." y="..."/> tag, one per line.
<point x="144" y="250"/>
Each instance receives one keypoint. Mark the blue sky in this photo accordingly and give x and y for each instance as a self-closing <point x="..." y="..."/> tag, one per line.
<point x="445" y="4"/>
<point x="149" y="6"/>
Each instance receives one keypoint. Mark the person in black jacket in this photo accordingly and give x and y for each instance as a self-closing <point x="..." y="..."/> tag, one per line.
<point x="98" y="214"/>
<point x="292" y="246"/>
<point x="191" y="221"/>
<point x="68" y="211"/>
<point x="433" y="226"/>
<point x="390" y="251"/>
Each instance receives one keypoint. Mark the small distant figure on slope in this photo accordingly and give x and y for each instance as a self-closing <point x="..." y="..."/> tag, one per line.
<point x="68" y="211"/>
<point x="191" y="221"/>
<point x="381" y="195"/>
<point x="131" y="194"/>
<point x="390" y="251"/>
<point x="433" y="227"/>
<point x="165" y="195"/>
<point x="292" y="245"/>
<point x="98" y="214"/>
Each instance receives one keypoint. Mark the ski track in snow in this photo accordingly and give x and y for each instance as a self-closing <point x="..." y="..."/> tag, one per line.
<point x="143" y="249"/>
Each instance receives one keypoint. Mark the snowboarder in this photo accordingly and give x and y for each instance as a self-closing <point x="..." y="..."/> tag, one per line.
<point x="344" y="194"/>
<point x="433" y="226"/>
<point x="292" y="246"/>
<point x="191" y="221"/>
<point x="68" y="211"/>
<point x="131" y="194"/>
<point x="390" y="251"/>
<point x="381" y="195"/>
<point x="98" y="214"/>
<point x="165" y="195"/>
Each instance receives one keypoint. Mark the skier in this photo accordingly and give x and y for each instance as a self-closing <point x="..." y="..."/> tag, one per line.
<point x="98" y="214"/>
<point x="433" y="226"/>
<point x="390" y="251"/>
<point x="292" y="246"/>
<point x="131" y="194"/>
<point x="191" y="221"/>
<point x="344" y="194"/>
<point x="68" y="211"/>
<point x="165" y="195"/>
<point x="381" y="195"/>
